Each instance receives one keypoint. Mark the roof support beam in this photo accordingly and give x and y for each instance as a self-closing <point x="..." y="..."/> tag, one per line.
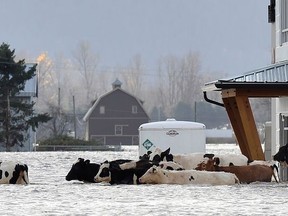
<point x="242" y="120"/>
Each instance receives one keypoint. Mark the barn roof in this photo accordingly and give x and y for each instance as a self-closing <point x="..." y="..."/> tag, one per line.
<point x="89" y="112"/>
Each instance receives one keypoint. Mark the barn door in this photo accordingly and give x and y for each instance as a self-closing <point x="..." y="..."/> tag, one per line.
<point x="283" y="121"/>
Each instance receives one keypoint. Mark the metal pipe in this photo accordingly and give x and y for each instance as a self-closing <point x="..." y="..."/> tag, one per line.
<point x="211" y="101"/>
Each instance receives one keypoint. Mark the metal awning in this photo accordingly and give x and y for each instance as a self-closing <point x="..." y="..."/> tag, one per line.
<point x="275" y="75"/>
<point x="271" y="81"/>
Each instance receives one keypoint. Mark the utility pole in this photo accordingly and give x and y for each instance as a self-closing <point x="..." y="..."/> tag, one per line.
<point x="74" y="113"/>
<point x="195" y="111"/>
<point x="8" y="121"/>
<point x="59" y="98"/>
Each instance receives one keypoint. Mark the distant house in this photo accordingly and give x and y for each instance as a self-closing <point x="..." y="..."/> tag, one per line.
<point x="115" y="117"/>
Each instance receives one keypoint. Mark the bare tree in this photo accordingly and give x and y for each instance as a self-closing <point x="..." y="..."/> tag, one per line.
<point x="57" y="126"/>
<point x="189" y="78"/>
<point x="133" y="76"/>
<point x="87" y="63"/>
<point x="179" y="81"/>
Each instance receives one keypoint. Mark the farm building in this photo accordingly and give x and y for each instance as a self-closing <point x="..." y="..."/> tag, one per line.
<point x="115" y="117"/>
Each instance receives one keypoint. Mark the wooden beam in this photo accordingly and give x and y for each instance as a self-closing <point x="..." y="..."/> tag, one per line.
<point x="241" y="117"/>
<point x="229" y="104"/>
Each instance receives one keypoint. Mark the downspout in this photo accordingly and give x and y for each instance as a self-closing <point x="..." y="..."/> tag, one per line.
<point x="211" y="101"/>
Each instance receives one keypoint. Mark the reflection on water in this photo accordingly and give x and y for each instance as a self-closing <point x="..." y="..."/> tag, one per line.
<point x="50" y="194"/>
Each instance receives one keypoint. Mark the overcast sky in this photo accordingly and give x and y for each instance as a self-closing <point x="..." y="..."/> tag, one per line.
<point x="232" y="36"/>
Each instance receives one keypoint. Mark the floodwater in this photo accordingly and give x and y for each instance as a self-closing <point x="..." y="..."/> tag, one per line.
<point x="50" y="194"/>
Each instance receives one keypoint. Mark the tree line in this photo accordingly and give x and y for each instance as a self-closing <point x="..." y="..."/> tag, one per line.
<point x="173" y="90"/>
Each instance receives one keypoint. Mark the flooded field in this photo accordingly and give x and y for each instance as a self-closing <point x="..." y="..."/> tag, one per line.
<point x="50" y="194"/>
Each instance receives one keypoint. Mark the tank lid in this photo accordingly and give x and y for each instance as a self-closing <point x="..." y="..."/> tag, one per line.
<point x="173" y="124"/>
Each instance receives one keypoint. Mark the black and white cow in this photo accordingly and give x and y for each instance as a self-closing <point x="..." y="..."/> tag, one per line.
<point x="83" y="170"/>
<point x="191" y="160"/>
<point x="157" y="155"/>
<point x="130" y="171"/>
<point x="13" y="173"/>
<point x="282" y="155"/>
<point x="111" y="172"/>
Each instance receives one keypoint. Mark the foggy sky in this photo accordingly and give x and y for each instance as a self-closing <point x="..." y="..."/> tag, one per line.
<point x="230" y="35"/>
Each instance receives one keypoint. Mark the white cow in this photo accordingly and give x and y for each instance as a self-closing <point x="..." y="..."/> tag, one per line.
<point x="13" y="173"/>
<point x="156" y="175"/>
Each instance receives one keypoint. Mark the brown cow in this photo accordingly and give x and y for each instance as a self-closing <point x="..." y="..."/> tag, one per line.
<point x="245" y="174"/>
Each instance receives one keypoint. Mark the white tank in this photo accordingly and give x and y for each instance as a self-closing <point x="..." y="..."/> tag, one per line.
<point x="180" y="136"/>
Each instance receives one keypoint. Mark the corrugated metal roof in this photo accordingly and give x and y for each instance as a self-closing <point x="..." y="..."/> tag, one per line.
<point x="270" y="74"/>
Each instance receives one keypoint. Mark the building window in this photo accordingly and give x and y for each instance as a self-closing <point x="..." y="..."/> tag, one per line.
<point x="284" y="21"/>
<point x="102" y="109"/>
<point x="118" y="129"/>
<point x="134" y="109"/>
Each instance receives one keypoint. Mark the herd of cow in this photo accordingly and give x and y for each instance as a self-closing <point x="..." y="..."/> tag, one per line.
<point x="164" y="168"/>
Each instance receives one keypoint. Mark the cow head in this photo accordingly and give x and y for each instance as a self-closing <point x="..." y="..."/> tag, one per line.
<point x="210" y="165"/>
<point x="20" y="174"/>
<point x="77" y="171"/>
<point x="282" y="155"/>
<point x="146" y="178"/>
<point x="104" y="174"/>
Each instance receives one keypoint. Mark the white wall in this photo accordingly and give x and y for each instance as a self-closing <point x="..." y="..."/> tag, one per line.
<point x="279" y="53"/>
<point x="281" y="50"/>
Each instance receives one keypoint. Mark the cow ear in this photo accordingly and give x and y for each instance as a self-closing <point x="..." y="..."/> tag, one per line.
<point x="87" y="161"/>
<point x="17" y="168"/>
<point x="80" y="159"/>
<point x="105" y="162"/>
<point x="167" y="151"/>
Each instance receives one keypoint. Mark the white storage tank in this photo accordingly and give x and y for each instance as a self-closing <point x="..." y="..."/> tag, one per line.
<point x="181" y="136"/>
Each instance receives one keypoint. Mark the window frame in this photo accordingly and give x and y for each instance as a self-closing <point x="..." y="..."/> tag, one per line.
<point x="102" y="110"/>
<point x="118" y="128"/>
<point x="134" y="109"/>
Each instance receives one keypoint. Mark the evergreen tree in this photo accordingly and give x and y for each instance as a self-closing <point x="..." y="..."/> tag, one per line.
<point x="16" y="113"/>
